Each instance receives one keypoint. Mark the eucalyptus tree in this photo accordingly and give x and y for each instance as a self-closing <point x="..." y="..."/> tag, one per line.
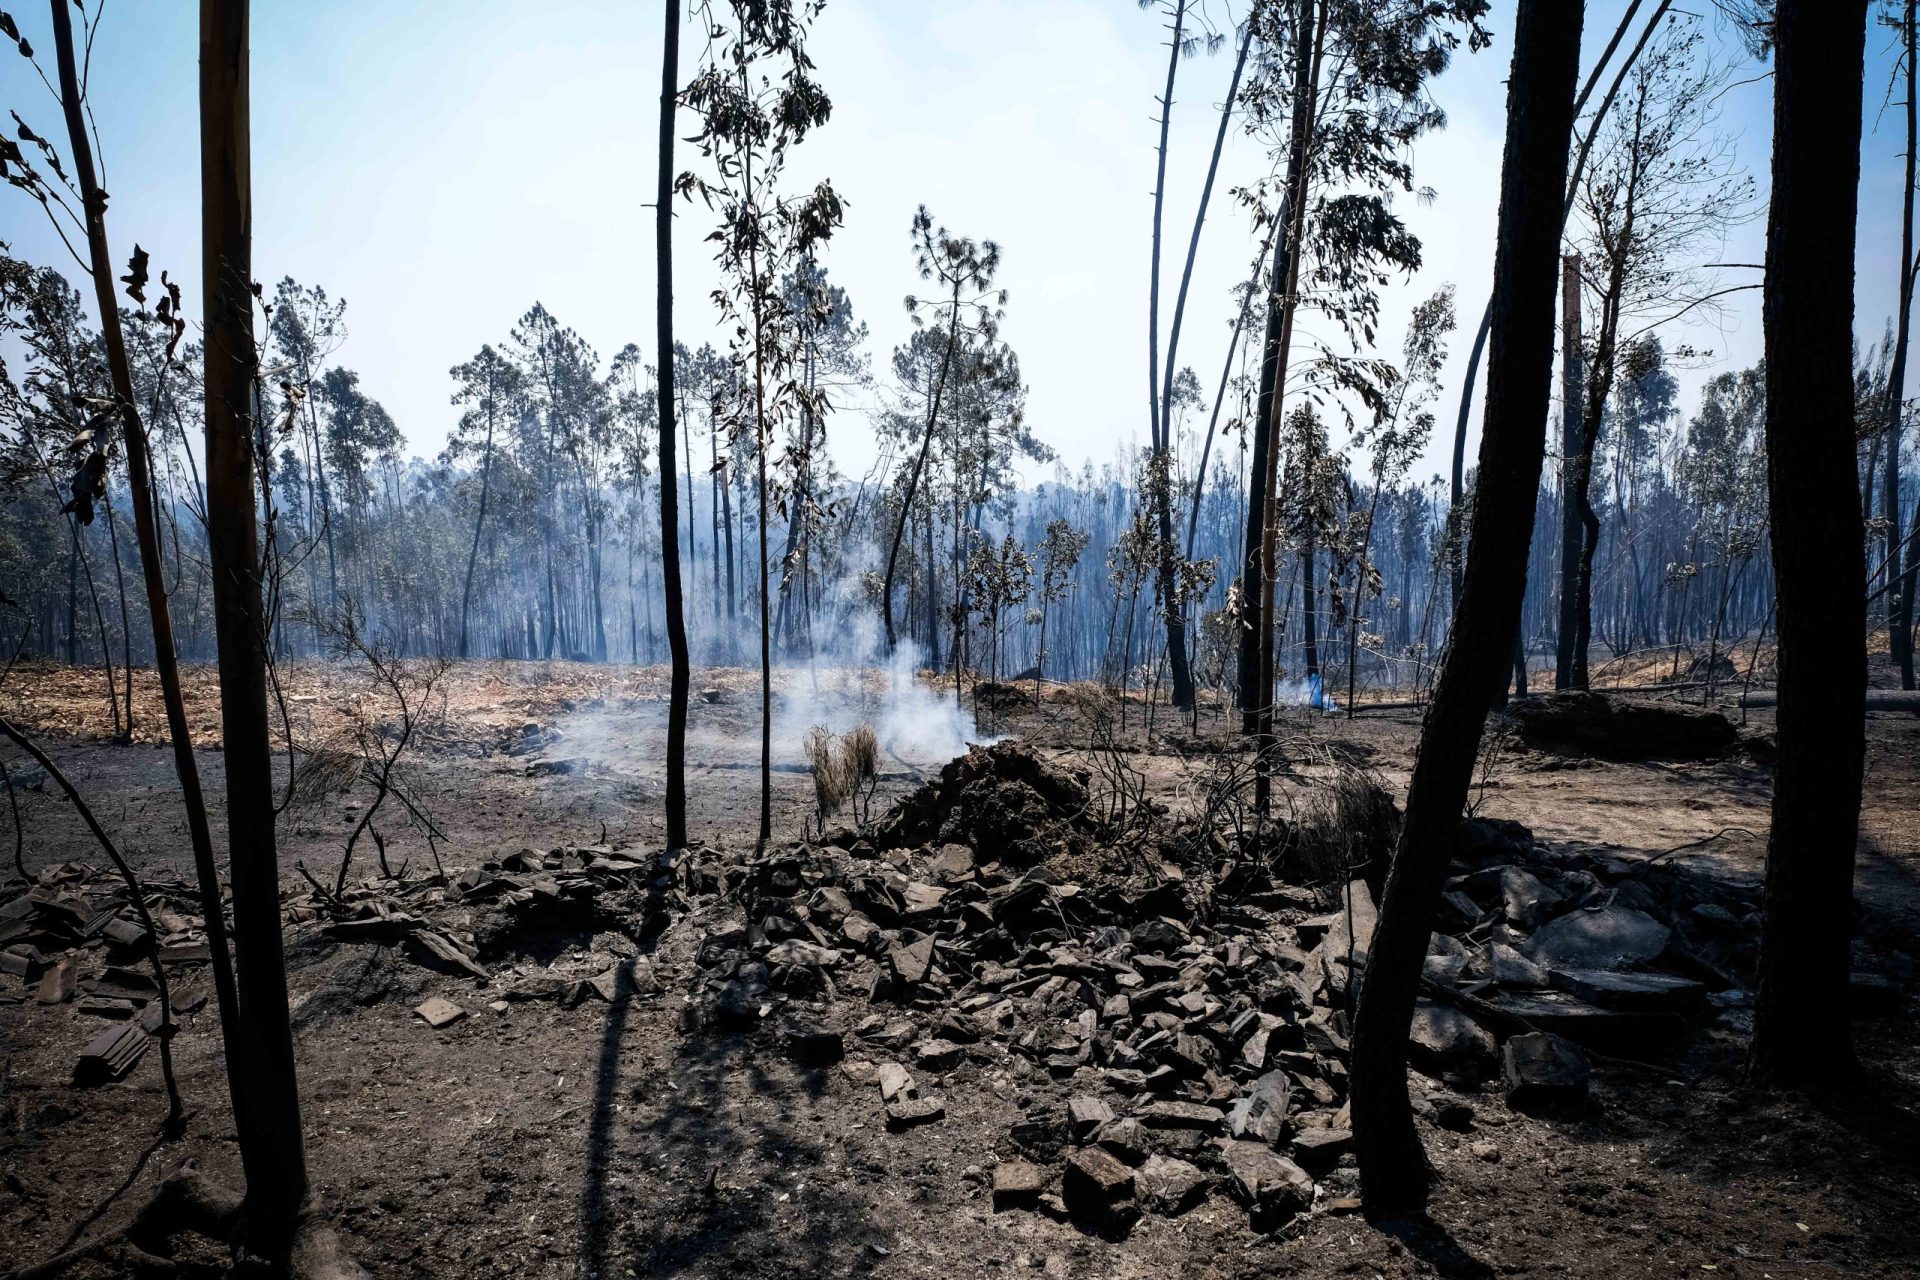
<point x="965" y="308"/>
<point x="1656" y="198"/>
<point x="667" y="354"/>
<point x="999" y="580"/>
<point x="1183" y="42"/>
<point x="756" y="98"/>
<point x="1573" y="183"/>
<point x="492" y="390"/>
<point x="304" y="328"/>
<point x="1395" y="438"/>
<point x="832" y="360"/>
<point x="1059" y="554"/>
<point x="1339" y="89"/>
<point x="1394" y="1174"/>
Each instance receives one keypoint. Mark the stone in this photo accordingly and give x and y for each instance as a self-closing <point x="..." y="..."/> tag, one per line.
<point x="1543" y="1070"/>
<point x="914" y="1112"/>
<point x="938" y="1055"/>
<point x="1454" y="1114"/>
<point x="795" y="952"/>
<point x="1086" y="1115"/>
<point x="1321" y="1149"/>
<point x="912" y="961"/>
<point x="1273" y="1188"/>
<point x="1620" y="1033"/>
<point x="1356" y="900"/>
<point x="1508" y="968"/>
<point x="56" y="984"/>
<point x="1608" y="937"/>
<point x="1632" y="992"/>
<point x="438" y="1012"/>
<point x="922" y="899"/>
<point x="1017" y="1184"/>
<point x="1180" y="1115"/>
<point x="1262" y="1114"/>
<point x="815" y="1046"/>
<point x="1126" y="1138"/>
<point x="1158" y="936"/>
<point x="1097" y="1188"/>
<point x="1445" y="1041"/>
<point x="894" y="1081"/>
<point x="951" y="863"/>
<point x="858" y="930"/>
<point x="1169" y="1186"/>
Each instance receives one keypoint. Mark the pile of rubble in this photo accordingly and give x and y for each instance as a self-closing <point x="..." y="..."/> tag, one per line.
<point x="1169" y="1038"/>
<point x="1001" y="798"/>
<point x="492" y="923"/>
<point x="73" y="938"/>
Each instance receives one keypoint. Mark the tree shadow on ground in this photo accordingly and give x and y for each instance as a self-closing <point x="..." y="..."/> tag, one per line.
<point x="1432" y="1243"/>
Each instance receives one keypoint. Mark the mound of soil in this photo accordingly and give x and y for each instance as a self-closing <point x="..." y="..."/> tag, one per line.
<point x="1002" y="800"/>
<point x="1616" y="729"/>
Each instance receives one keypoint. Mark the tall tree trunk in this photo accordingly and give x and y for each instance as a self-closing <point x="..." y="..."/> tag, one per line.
<point x="681" y="678"/>
<point x="1546" y="62"/>
<point x="1220" y="393"/>
<point x="147" y="537"/>
<point x="480" y="519"/>
<point x="1256" y="648"/>
<point x="1311" y="27"/>
<point x="272" y="1145"/>
<point x="1571" y="528"/>
<point x="919" y="464"/>
<point x="1899" y="599"/>
<point x="1464" y="416"/>
<point x="1801" y="1031"/>
<point x="1154" y="405"/>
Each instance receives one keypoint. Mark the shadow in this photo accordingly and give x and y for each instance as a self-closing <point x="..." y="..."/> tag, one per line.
<point x="107" y="1201"/>
<point x="767" y="1202"/>
<point x="593" y="1190"/>
<point x="1432" y="1243"/>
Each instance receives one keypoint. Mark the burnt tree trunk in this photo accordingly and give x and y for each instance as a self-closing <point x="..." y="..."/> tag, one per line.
<point x="1800" y="1013"/>
<point x="279" y="1213"/>
<point x="1572" y="529"/>
<point x="669" y="500"/>
<point x="1546" y="60"/>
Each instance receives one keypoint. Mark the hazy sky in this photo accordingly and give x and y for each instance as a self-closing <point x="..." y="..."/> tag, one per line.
<point x="443" y="165"/>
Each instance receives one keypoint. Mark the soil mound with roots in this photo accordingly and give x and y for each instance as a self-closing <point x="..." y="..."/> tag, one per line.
<point x="1618" y="729"/>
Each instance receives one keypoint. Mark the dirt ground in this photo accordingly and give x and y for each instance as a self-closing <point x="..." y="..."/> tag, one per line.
<point x="627" y="1138"/>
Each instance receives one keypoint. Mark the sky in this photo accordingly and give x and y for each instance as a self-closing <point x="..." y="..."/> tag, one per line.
<point x="441" y="166"/>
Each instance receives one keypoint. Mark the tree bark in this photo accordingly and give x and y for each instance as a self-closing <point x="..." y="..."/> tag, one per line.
<point x="1572" y="530"/>
<point x="272" y="1145"/>
<point x="681" y="677"/>
<point x="1801" y="1032"/>
<point x="1546" y="62"/>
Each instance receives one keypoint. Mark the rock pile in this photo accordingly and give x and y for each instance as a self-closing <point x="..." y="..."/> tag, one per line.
<point x="1168" y="1038"/>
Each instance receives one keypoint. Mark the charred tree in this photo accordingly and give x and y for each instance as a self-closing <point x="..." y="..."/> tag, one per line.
<point x="681" y="679"/>
<point x="1801" y="1032"/>
<point x="1546" y="62"/>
